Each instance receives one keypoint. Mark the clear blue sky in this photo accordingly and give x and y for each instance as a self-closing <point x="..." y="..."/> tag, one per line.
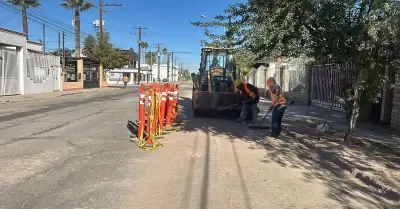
<point x="168" y="23"/>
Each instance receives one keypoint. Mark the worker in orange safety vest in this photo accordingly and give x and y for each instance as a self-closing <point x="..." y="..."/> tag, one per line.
<point x="250" y="99"/>
<point x="126" y="79"/>
<point x="278" y="106"/>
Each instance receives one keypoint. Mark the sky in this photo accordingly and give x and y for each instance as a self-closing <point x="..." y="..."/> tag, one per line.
<point x="167" y="23"/>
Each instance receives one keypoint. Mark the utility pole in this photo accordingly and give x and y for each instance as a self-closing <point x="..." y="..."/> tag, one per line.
<point x="180" y="73"/>
<point x="172" y="70"/>
<point x="151" y="65"/>
<point x="177" y="68"/>
<point x="168" y="66"/>
<point x="101" y="5"/>
<point x="101" y="18"/>
<point x="59" y="42"/>
<point x="139" y="46"/>
<point x="44" y="37"/>
<point x="63" y="50"/>
<point x="158" y="54"/>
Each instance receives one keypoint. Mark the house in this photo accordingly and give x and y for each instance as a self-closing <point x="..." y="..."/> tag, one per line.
<point x="166" y="72"/>
<point x="116" y="76"/>
<point x="25" y="69"/>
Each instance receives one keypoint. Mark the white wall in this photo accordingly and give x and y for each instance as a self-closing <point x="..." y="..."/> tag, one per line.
<point x="43" y="73"/>
<point x="11" y="38"/>
<point x="33" y="46"/>
<point x="163" y="72"/>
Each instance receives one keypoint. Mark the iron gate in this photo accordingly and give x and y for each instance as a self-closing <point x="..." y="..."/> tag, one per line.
<point x="9" y="73"/>
<point x="328" y="83"/>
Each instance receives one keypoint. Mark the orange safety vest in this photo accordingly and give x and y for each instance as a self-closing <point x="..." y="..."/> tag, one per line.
<point x="250" y="93"/>
<point x="125" y="78"/>
<point x="278" y="99"/>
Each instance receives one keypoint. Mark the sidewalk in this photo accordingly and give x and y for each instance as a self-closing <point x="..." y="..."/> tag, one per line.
<point x="44" y="96"/>
<point x="314" y="116"/>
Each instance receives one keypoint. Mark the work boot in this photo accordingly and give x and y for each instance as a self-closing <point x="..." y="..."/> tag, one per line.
<point x="239" y="121"/>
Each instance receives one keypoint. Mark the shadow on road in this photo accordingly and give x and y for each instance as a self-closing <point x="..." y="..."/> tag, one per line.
<point x="288" y="152"/>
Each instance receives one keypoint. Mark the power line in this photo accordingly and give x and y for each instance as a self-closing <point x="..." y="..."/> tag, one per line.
<point x="68" y="34"/>
<point x="53" y="26"/>
<point x="31" y="17"/>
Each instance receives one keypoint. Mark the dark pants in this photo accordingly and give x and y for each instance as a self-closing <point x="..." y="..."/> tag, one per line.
<point x="276" y="120"/>
<point x="125" y="84"/>
<point x="246" y="108"/>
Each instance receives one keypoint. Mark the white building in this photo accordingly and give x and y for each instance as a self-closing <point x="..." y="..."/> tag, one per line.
<point x="173" y="74"/>
<point x="24" y="68"/>
<point x="116" y="76"/>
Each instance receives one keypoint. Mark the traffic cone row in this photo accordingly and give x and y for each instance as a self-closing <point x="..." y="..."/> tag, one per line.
<point x="162" y="112"/>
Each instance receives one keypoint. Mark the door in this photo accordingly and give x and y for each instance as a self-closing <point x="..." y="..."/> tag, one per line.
<point x="9" y="73"/>
<point x="55" y="77"/>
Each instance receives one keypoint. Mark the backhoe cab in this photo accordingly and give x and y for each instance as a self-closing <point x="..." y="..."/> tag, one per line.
<point x="213" y="88"/>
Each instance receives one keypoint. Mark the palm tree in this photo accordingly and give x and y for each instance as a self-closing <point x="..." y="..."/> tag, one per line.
<point x="151" y="58"/>
<point x="78" y="6"/>
<point x="165" y="52"/>
<point x="144" y="46"/>
<point x="24" y="4"/>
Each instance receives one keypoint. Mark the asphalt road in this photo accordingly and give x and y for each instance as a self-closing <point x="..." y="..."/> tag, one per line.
<point x="74" y="152"/>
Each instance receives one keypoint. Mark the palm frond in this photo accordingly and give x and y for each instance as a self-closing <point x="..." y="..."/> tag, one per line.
<point x="86" y="6"/>
<point x="67" y="5"/>
<point x="26" y="3"/>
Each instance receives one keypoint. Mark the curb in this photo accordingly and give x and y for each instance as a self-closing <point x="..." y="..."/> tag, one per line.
<point x="32" y="97"/>
<point x="387" y="191"/>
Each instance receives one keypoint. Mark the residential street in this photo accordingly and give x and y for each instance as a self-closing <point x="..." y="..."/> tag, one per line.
<point x="74" y="151"/>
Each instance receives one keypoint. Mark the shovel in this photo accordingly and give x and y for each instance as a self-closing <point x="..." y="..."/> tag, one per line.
<point x="224" y="108"/>
<point x="260" y="125"/>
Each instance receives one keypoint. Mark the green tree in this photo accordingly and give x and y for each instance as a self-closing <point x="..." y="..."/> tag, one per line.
<point x="25" y="4"/>
<point x="363" y="32"/>
<point x="68" y="52"/>
<point x="78" y="6"/>
<point x="102" y="49"/>
<point x="90" y="44"/>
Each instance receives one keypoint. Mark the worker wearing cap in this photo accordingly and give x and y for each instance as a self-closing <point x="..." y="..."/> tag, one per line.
<point x="278" y="106"/>
<point x="250" y="98"/>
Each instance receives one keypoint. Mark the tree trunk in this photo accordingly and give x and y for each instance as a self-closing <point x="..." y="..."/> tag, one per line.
<point x="354" y="117"/>
<point x="77" y="34"/>
<point x="25" y="21"/>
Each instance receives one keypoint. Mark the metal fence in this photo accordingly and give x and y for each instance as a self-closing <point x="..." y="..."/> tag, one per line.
<point x="327" y="84"/>
<point x="9" y="72"/>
